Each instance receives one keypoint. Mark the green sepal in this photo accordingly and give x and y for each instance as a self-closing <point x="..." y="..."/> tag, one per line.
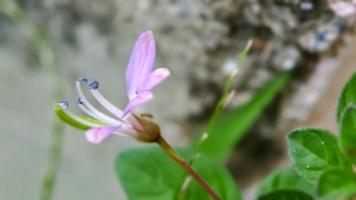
<point x="69" y="120"/>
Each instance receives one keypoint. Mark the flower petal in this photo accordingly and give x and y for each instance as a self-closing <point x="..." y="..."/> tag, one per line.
<point x="138" y="100"/>
<point x="125" y="130"/>
<point x="98" y="134"/>
<point x="141" y="63"/>
<point x="157" y="76"/>
<point x="343" y="9"/>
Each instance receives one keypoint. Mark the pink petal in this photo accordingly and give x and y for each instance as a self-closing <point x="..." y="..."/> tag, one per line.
<point x="138" y="100"/>
<point x="157" y="76"/>
<point x="98" y="134"/>
<point x="343" y="9"/>
<point x="141" y="63"/>
<point x="125" y="130"/>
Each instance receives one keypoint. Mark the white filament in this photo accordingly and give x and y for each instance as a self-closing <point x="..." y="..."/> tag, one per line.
<point x="99" y="114"/>
<point x="93" y="115"/>
<point x="107" y="104"/>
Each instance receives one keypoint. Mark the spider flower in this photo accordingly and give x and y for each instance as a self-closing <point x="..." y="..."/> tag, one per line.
<point x="343" y="8"/>
<point x="141" y="78"/>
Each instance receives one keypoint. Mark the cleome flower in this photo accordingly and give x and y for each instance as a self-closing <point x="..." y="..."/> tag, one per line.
<point x="343" y="8"/>
<point x="141" y="78"/>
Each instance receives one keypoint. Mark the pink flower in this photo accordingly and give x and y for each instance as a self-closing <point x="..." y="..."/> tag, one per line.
<point x="141" y="78"/>
<point x="342" y="8"/>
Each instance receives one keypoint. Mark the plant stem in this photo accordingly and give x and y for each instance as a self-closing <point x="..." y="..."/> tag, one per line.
<point x="54" y="163"/>
<point x="173" y="154"/>
<point x="195" y="156"/>
<point x="47" y="60"/>
<point x="228" y="87"/>
<point x="55" y="154"/>
<point x="48" y="63"/>
<point x="216" y="113"/>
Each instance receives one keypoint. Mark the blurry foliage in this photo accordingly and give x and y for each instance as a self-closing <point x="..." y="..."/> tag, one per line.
<point x="284" y="179"/>
<point x="347" y="97"/>
<point x="321" y="159"/>
<point x="337" y="184"/>
<point x="231" y="126"/>
<point x="348" y="133"/>
<point x="147" y="174"/>
<point x="286" y="195"/>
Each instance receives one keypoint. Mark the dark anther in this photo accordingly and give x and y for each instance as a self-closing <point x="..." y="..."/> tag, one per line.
<point x="92" y="84"/>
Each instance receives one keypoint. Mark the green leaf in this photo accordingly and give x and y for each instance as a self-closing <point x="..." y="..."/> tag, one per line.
<point x="231" y="126"/>
<point x="313" y="151"/>
<point x="149" y="174"/>
<point x="348" y="96"/>
<point x="217" y="176"/>
<point x="286" y="195"/>
<point x="284" y="179"/>
<point x="337" y="184"/>
<point x="348" y="132"/>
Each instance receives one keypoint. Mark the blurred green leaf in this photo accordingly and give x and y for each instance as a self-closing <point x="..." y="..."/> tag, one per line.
<point x="348" y="132"/>
<point x="231" y="126"/>
<point x="337" y="184"/>
<point x="313" y="151"/>
<point x="348" y="96"/>
<point x="149" y="174"/>
<point x="284" y="179"/>
<point x="286" y="195"/>
<point x="218" y="178"/>
<point x="11" y="9"/>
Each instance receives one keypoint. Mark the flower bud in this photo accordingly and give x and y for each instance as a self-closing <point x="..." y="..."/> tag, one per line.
<point x="147" y="130"/>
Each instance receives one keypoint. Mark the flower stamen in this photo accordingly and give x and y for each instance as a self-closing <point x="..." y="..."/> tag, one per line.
<point x="83" y="101"/>
<point x="83" y="107"/>
<point x="103" y="101"/>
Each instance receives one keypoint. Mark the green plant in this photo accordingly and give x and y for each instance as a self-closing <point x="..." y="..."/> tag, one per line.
<point x="322" y="162"/>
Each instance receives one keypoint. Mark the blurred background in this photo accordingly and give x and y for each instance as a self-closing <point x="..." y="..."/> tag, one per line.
<point x="46" y="44"/>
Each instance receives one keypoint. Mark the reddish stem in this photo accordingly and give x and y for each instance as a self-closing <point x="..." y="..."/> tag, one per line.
<point x="172" y="154"/>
